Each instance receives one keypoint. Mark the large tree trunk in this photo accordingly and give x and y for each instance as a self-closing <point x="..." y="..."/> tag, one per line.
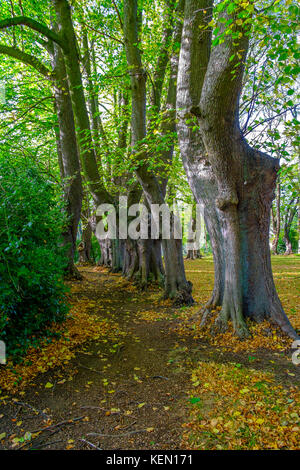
<point x="143" y="262"/>
<point x="246" y="283"/>
<point x="85" y="246"/>
<point x="68" y="157"/>
<point x="239" y="235"/>
<point x="84" y="134"/>
<point x="142" y="258"/>
<point x="193" y="250"/>
<point x="234" y="182"/>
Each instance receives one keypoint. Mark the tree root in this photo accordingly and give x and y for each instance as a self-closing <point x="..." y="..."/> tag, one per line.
<point x="242" y="331"/>
<point x="73" y="274"/>
<point x="220" y="325"/>
<point x="181" y="296"/>
<point x="204" y="313"/>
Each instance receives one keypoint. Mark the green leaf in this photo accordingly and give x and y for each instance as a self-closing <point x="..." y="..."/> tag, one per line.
<point x="194" y="400"/>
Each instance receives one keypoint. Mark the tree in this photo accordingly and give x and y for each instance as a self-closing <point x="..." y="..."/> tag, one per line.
<point x="193" y="251"/>
<point x="276" y="219"/>
<point x="66" y="39"/>
<point x="233" y="180"/>
<point x="62" y="41"/>
<point x="176" y="285"/>
<point x="290" y="213"/>
<point x="65" y="139"/>
<point x="68" y="156"/>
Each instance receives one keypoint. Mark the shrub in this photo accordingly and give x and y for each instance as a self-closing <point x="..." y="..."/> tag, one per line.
<point x="32" y="259"/>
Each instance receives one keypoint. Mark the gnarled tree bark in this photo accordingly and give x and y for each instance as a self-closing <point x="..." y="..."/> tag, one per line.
<point x="233" y="181"/>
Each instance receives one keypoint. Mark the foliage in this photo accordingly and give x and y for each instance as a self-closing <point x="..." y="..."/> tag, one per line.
<point x="201" y="273"/>
<point x="294" y="240"/>
<point x="95" y="249"/>
<point x="235" y="407"/>
<point x="79" y="327"/>
<point x="268" y="105"/>
<point x="231" y="406"/>
<point x="32" y="258"/>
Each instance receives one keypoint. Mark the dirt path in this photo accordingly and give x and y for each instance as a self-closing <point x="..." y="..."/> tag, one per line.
<point x="130" y="393"/>
<point x="126" y="395"/>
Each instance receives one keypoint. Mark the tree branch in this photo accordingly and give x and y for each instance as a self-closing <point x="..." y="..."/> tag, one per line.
<point x="223" y="79"/>
<point x="102" y="33"/>
<point x="195" y="52"/>
<point x="35" y="25"/>
<point x="118" y="13"/>
<point x="28" y="60"/>
<point x="271" y="118"/>
<point x="163" y="58"/>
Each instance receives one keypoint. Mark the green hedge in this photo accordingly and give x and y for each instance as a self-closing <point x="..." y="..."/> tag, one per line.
<point x="32" y="259"/>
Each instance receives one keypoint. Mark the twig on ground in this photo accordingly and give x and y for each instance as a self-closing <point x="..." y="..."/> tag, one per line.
<point x="90" y="444"/>
<point x="62" y="423"/>
<point x="26" y="405"/>
<point x="117" y="435"/>
<point x="92" y="408"/>
<point x="45" y="445"/>
<point x="129" y="426"/>
<point x="37" y="441"/>
<point x="89" y="368"/>
<point x="102" y="409"/>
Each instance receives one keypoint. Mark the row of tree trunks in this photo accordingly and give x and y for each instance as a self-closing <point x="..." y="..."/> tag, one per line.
<point x="142" y="261"/>
<point x="111" y="249"/>
<point x="288" y="218"/>
<point x="139" y="260"/>
<point x="276" y="219"/>
<point x="176" y="285"/>
<point x="291" y="212"/>
<point x="193" y="254"/>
